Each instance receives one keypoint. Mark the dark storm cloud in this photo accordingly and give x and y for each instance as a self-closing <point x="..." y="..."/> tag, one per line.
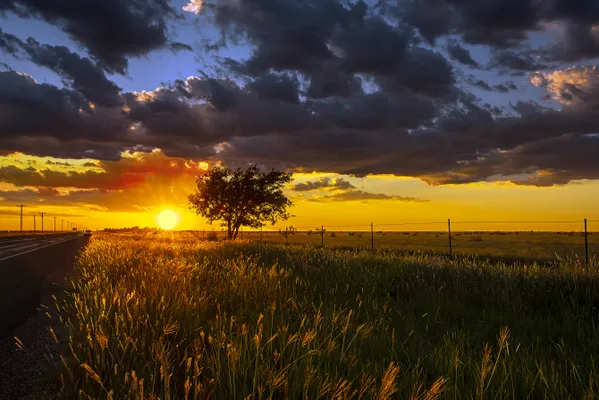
<point x="80" y="73"/>
<point x="10" y="43"/>
<point x="41" y="110"/>
<point x="279" y="87"/>
<point x="165" y="113"/>
<point x="509" y="61"/>
<point x="111" y="30"/>
<point x="448" y="151"/>
<point x="562" y="159"/>
<point x="51" y="147"/>
<point x="323" y="184"/>
<point x="460" y="54"/>
<point x="482" y="84"/>
<point x="505" y="87"/>
<point x="422" y="71"/>
<point x="497" y="22"/>
<point x="371" y="46"/>
<point x="287" y="35"/>
<point x="501" y="87"/>
<point x="333" y="83"/>
<point x="548" y="162"/>
<point x="376" y="111"/>
<point x="318" y="37"/>
<point x="329" y="86"/>
<point x="505" y="23"/>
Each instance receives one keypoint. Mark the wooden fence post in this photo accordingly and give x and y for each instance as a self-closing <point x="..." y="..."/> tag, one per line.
<point x="372" y="236"/>
<point x="449" y="233"/>
<point x="586" y="245"/>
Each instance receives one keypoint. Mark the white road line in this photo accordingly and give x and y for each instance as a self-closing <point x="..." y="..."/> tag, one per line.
<point x="19" y="240"/>
<point x="37" y="248"/>
<point x="23" y="243"/>
<point x="29" y="239"/>
<point x="23" y="247"/>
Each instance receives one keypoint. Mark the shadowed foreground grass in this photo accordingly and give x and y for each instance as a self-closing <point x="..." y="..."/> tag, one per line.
<point x="170" y="318"/>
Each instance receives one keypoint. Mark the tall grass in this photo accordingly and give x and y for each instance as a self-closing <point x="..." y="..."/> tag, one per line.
<point x="167" y="317"/>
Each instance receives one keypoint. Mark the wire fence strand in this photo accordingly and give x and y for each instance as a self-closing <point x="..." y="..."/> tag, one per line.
<point x="486" y="240"/>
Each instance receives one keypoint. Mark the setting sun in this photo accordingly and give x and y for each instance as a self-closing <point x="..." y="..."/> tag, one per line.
<point x="167" y="219"/>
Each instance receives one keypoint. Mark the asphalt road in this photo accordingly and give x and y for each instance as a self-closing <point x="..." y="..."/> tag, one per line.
<point x="29" y="268"/>
<point x="32" y="271"/>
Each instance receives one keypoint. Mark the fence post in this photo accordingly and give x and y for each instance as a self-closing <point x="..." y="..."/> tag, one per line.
<point x="286" y="235"/>
<point x="322" y="236"/>
<point x="372" y="236"/>
<point x="449" y="234"/>
<point x="586" y="245"/>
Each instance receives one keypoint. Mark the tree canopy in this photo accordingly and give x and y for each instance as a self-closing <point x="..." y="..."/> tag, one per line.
<point x="241" y="197"/>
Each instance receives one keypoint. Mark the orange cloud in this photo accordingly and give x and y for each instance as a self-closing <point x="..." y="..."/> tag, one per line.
<point x="133" y="169"/>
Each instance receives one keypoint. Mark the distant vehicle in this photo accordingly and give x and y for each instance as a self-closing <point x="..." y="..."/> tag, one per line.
<point x="87" y="233"/>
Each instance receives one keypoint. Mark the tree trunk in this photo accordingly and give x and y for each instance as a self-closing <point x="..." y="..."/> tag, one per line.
<point x="229" y="231"/>
<point x="235" y="231"/>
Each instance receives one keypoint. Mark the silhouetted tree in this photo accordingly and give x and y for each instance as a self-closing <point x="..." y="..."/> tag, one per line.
<point x="241" y="198"/>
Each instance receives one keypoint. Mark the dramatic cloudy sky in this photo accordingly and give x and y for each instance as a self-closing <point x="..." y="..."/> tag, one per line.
<point x="386" y="110"/>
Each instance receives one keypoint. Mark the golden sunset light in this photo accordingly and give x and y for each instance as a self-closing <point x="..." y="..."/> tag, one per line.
<point x="167" y="219"/>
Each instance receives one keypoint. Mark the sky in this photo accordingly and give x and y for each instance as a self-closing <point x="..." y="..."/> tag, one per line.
<point x="387" y="111"/>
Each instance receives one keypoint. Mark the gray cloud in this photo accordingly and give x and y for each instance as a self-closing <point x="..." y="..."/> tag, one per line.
<point x="329" y="86"/>
<point x="359" y="195"/>
<point x="460" y="54"/>
<point x="512" y="62"/>
<point x="323" y="183"/>
<point x="505" y="87"/>
<point x="81" y="73"/>
<point x="59" y="113"/>
<point x="111" y="30"/>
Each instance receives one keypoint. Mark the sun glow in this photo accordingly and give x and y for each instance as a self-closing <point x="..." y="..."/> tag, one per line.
<point x="168" y="219"/>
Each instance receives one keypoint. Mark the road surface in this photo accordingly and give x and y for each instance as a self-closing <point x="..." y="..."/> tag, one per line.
<point x="14" y="247"/>
<point x="32" y="270"/>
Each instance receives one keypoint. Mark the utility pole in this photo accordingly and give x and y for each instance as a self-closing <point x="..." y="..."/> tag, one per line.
<point x="21" y="205"/>
<point x="54" y="224"/>
<point x="42" y="222"/>
<point x="34" y="228"/>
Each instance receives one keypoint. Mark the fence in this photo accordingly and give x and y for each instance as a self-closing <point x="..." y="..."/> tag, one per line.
<point x="502" y="239"/>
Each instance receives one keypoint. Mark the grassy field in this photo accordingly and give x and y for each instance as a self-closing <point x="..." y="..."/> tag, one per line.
<point x="524" y="245"/>
<point x="165" y="316"/>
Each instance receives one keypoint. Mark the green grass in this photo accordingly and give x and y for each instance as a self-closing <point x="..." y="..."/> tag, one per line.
<point x="171" y="318"/>
<point x="524" y="245"/>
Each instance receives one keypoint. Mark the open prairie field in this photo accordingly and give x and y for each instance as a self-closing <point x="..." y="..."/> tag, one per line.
<point x="167" y="316"/>
<point x="524" y="245"/>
